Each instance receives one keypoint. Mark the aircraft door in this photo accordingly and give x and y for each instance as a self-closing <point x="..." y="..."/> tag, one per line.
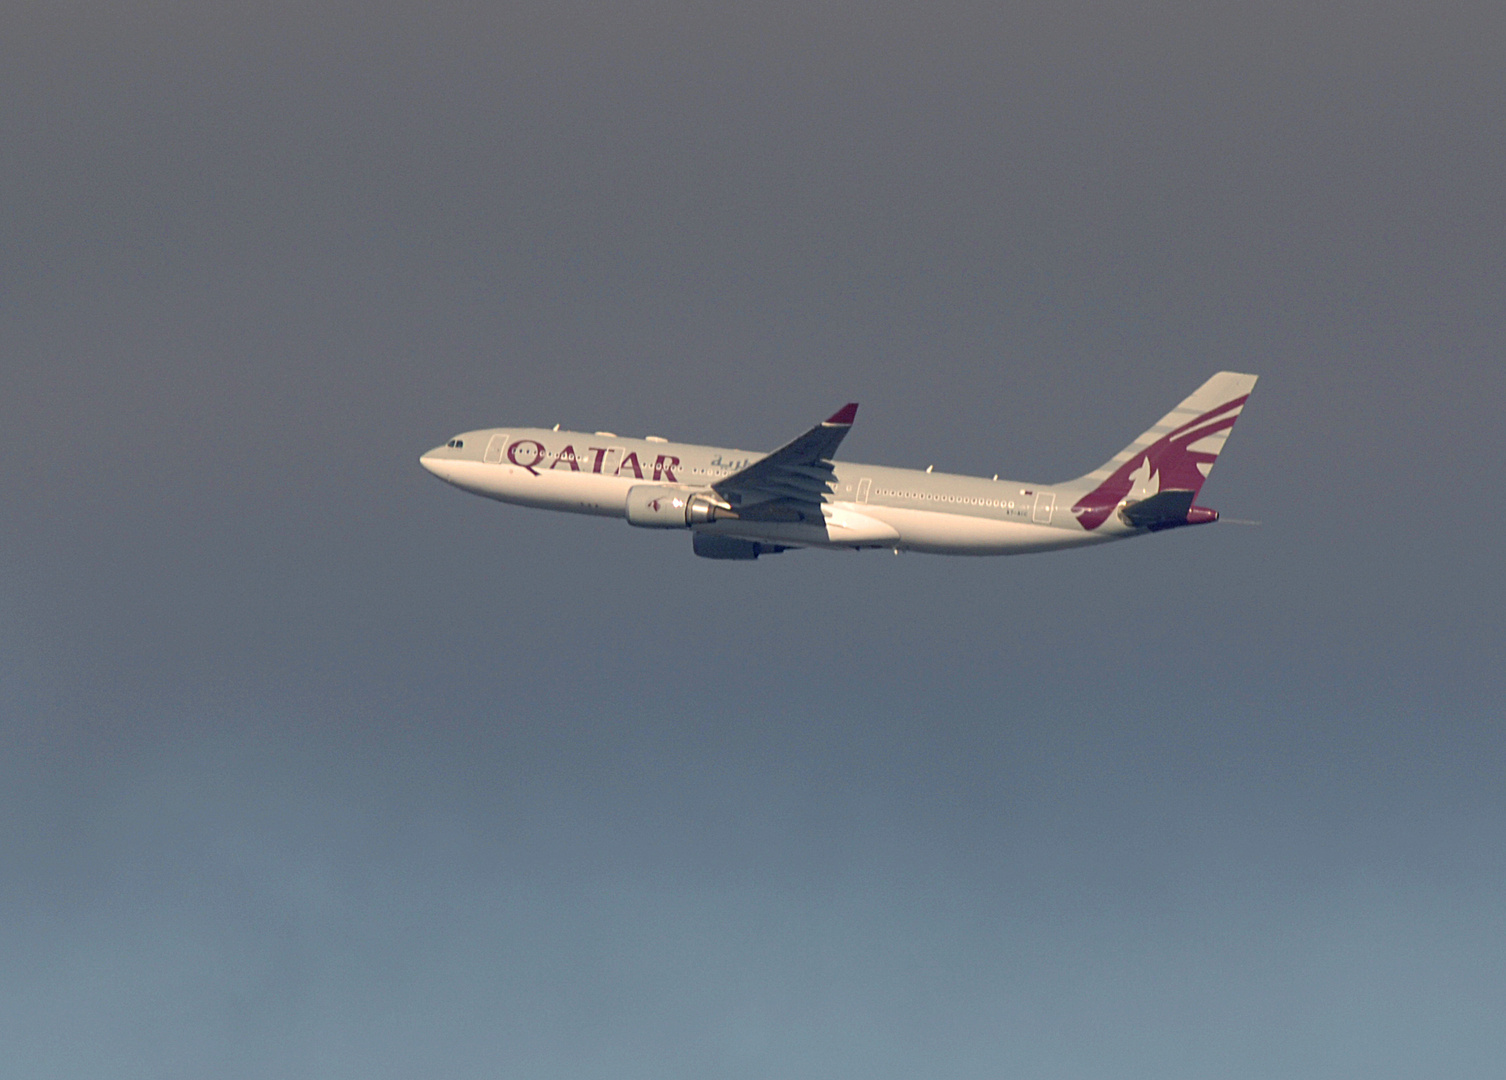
<point x="611" y="460"/>
<point x="494" y="449"/>
<point x="1045" y="502"/>
<point x="864" y="486"/>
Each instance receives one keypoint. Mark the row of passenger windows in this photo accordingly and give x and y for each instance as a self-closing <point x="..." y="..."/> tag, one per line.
<point x="998" y="504"/>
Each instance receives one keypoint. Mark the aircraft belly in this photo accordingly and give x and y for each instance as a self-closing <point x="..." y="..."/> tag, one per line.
<point x="961" y="534"/>
<point x="844" y="527"/>
<point x="569" y="491"/>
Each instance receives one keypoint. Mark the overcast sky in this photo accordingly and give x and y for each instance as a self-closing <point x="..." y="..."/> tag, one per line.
<point x="311" y="766"/>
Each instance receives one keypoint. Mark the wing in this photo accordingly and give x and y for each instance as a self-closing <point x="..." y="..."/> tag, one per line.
<point x="790" y="483"/>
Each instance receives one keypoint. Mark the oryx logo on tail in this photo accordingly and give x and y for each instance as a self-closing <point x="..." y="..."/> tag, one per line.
<point x="1174" y="456"/>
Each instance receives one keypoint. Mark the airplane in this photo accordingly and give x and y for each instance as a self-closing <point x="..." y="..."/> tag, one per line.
<point x="739" y="505"/>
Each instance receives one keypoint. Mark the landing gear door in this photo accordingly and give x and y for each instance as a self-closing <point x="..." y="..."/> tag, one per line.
<point x="1045" y="503"/>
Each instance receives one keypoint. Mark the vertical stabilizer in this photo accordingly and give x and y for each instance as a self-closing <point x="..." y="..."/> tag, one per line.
<point x="1174" y="456"/>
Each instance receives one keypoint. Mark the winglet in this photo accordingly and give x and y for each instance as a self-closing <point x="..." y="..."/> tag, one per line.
<point x="844" y="416"/>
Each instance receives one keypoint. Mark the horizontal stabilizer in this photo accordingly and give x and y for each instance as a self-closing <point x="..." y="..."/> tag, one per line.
<point x="1166" y="510"/>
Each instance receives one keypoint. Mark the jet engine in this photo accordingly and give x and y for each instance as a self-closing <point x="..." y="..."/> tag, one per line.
<point x="653" y="506"/>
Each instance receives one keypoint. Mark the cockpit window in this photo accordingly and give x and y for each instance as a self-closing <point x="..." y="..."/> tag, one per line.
<point x="456" y="443"/>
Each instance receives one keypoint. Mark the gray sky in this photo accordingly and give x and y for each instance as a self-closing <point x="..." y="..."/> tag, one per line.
<point x="312" y="767"/>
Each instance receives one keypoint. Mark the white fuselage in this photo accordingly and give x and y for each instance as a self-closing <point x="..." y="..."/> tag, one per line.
<point x="870" y="506"/>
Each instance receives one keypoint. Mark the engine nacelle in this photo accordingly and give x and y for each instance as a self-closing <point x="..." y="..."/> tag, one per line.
<point x="653" y="506"/>
<point x="710" y="546"/>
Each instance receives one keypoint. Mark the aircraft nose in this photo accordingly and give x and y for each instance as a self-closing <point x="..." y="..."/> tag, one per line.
<point x="435" y="462"/>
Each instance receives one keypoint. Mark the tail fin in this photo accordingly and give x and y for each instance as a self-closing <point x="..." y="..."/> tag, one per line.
<point x="1174" y="456"/>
